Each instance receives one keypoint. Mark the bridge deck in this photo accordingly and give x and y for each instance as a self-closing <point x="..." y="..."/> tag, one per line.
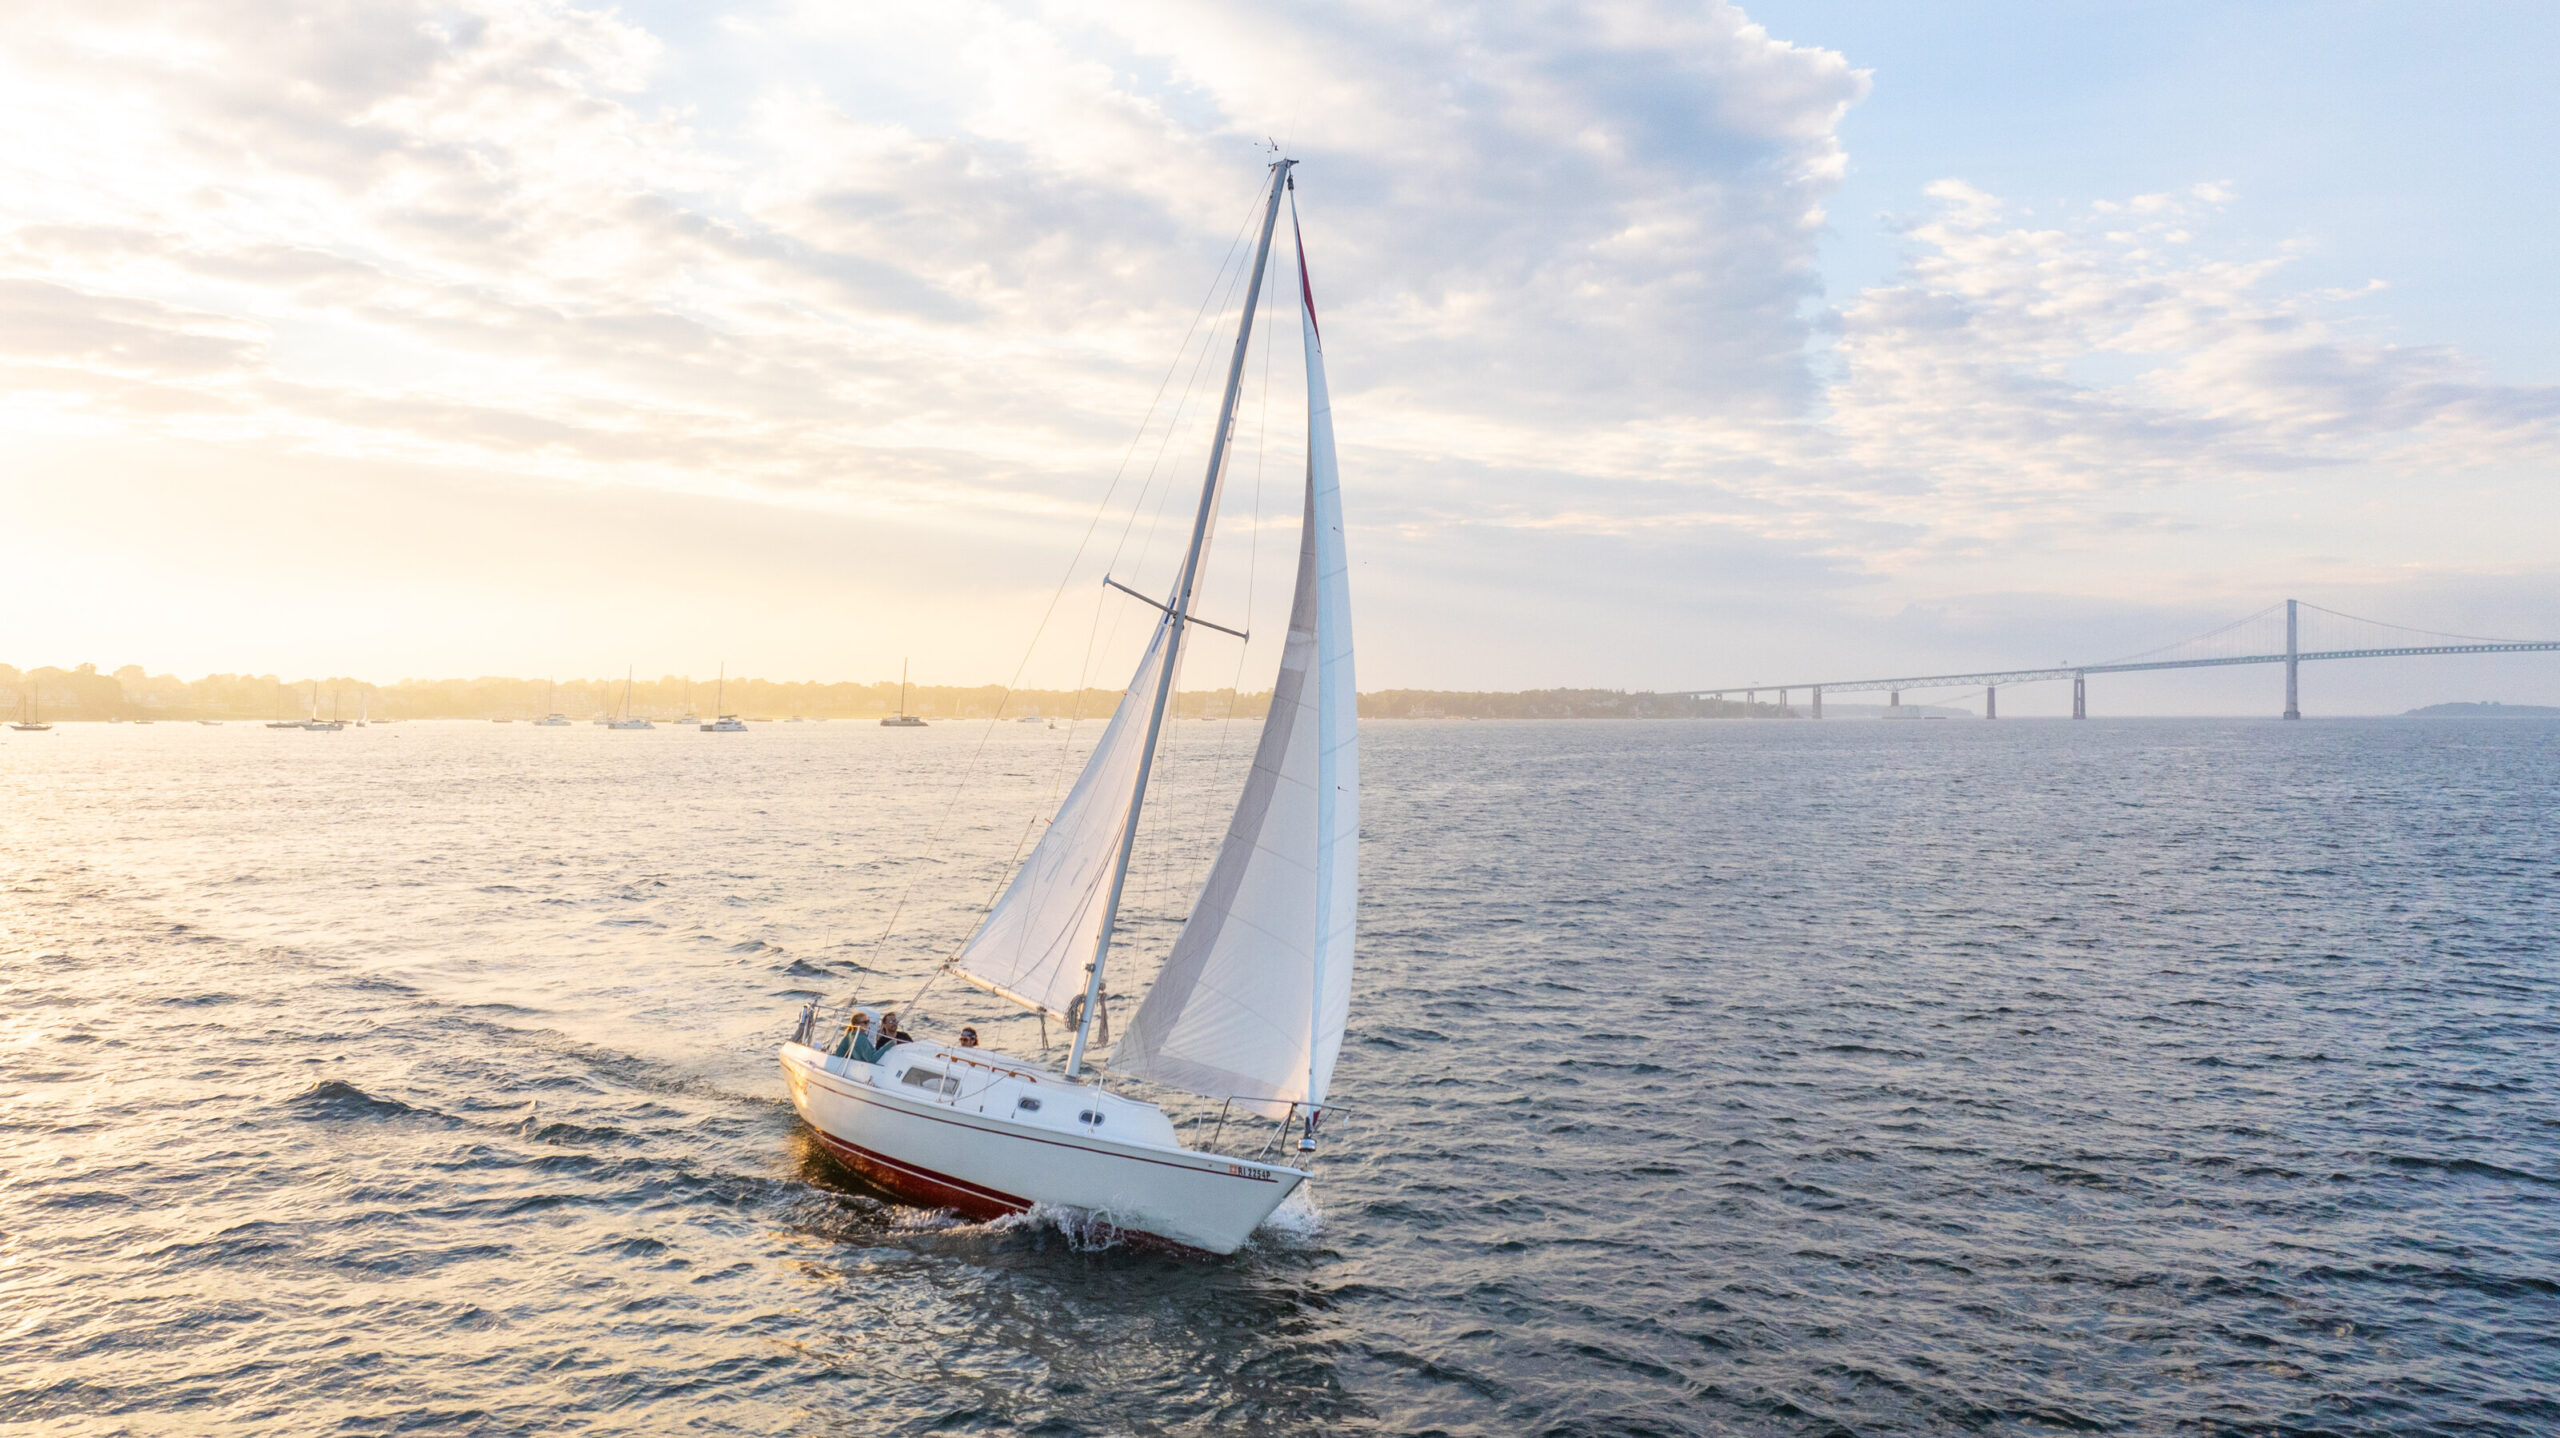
<point x="1989" y="677"/>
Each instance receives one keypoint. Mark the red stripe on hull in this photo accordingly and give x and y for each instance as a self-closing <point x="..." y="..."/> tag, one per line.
<point x="921" y="1185"/>
<point x="928" y="1189"/>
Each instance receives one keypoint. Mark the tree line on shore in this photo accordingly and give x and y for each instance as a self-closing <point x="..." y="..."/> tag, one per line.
<point x="86" y="693"/>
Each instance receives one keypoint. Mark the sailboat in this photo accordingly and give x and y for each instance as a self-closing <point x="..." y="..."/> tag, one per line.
<point x="726" y="723"/>
<point x="554" y="719"/>
<point x="1249" y="1008"/>
<point x="626" y="721"/>
<point x="902" y="719"/>
<point x="318" y="725"/>
<point x="28" y="722"/>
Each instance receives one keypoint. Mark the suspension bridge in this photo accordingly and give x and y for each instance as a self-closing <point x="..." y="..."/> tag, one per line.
<point x="2249" y="640"/>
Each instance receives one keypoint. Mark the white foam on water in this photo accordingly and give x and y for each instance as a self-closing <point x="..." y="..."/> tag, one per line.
<point x="1085" y="1230"/>
<point x="908" y="1218"/>
<point x="1297" y="1223"/>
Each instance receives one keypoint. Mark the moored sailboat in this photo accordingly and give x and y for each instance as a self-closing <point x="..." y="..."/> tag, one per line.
<point x="317" y="725"/>
<point x="552" y="717"/>
<point x="902" y="719"/>
<point x="1249" y="1008"/>
<point x="727" y="723"/>
<point x="628" y="720"/>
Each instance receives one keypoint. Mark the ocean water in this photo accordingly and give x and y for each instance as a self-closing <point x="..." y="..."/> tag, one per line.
<point x="1783" y="1078"/>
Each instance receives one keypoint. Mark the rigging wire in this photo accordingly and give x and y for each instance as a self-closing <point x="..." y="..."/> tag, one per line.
<point x="1200" y="780"/>
<point x="1233" y="280"/>
<point x="951" y="804"/>
<point x="1172" y="817"/>
<point x="1219" y="767"/>
<point x="1253" y="550"/>
<point x="1138" y="902"/>
<point x="1183" y="821"/>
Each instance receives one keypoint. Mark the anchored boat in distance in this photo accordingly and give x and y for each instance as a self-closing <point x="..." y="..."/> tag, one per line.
<point x="902" y="719"/>
<point x="627" y="721"/>
<point x="726" y="723"/>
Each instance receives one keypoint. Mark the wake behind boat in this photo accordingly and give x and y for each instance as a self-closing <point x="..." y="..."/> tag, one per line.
<point x="1249" y="1008"/>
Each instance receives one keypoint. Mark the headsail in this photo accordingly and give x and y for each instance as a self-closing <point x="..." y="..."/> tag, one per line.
<point x="1036" y="941"/>
<point x="1253" y="1002"/>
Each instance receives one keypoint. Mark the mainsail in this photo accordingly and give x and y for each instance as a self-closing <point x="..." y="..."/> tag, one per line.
<point x="1253" y="1001"/>
<point x="1036" y="941"/>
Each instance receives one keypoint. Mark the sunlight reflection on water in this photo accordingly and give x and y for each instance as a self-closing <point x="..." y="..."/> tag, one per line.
<point x="1762" y="1077"/>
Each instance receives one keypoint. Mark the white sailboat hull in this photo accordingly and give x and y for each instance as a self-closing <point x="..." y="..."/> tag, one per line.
<point x="970" y="1152"/>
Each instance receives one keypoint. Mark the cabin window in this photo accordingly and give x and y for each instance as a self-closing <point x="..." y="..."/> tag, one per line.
<point x="1027" y="1104"/>
<point x="934" y="1079"/>
<point x="1089" y="1116"/>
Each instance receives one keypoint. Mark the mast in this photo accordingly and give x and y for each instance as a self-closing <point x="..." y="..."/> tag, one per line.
<point x="1176" y="614"/>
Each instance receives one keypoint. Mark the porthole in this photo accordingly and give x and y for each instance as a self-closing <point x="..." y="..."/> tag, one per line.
<point x="1027" y="1104"/>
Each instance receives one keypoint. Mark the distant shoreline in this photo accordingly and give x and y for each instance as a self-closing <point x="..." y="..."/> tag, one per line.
<point x="87" y="695"/>
<point x="2484" y="709"/>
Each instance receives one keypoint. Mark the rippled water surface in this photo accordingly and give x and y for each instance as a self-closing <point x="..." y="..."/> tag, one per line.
<point x="1721" y="1077"/>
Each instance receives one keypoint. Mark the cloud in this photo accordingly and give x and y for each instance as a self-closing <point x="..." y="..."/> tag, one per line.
<point x="929" y="265"/>
<point x="525" y="205"/>
<point x="1969" y="396"/>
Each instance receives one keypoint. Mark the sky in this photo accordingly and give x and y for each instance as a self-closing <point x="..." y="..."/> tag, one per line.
<point x="1670" y="345"/>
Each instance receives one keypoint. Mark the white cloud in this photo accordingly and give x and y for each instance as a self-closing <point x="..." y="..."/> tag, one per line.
<point x="1961" y="408"/>
<point x="926" y="265"/>
<point x="1515" y="213"/>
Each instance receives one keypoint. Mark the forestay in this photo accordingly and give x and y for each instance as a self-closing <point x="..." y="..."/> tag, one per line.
<point x="1253" y="1001"/>
<point x="1036" y="941"/>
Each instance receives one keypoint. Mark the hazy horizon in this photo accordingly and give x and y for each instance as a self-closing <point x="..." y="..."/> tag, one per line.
<point x="228" y="694"/>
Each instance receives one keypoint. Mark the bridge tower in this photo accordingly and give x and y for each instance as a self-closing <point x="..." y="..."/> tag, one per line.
<point x="1817" y="701"/>
<point x="1782" y="704"/>
<point x="1894" y="700"/>
<point x="1990" y="701"/>
<point x="2292" y="659"/>
<point x="2079" y="694"/>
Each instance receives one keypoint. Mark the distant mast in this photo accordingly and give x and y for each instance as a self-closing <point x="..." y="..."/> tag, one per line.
<point x="902" y="719"/>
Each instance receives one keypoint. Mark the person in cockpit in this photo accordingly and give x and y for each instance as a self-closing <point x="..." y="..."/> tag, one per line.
<point x="857" y="1043"/>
